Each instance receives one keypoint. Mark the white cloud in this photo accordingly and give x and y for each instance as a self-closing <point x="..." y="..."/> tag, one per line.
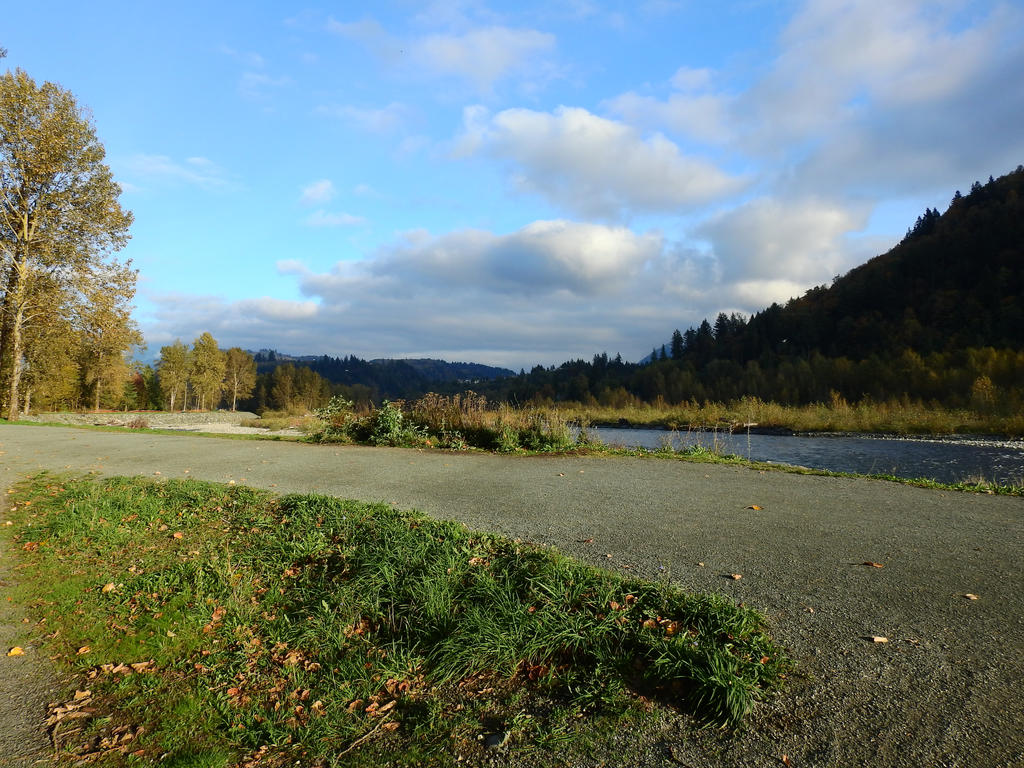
<point x="155" y="169"/>
<point x="703" y="116"/>
<point x="321" y="191"/>
<point x="484" y="55"/>
<point x="257" y="86"/>
<point x="890" y="95"/>
<point x="690" y="79"/>
<point x="544" y="257"/>
<point x="373" y="120"/>
<point x="322" y="218"/>
<point x="594" y="166"/>
<point x="792" y="243"/>
<point x="481" y="55"/>
<point x="248" y="58"/>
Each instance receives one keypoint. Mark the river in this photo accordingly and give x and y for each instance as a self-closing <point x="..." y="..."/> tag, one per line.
<point x="945" y="459"/>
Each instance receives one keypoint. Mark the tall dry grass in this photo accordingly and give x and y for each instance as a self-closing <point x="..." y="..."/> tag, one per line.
<point x="893" y="416"/>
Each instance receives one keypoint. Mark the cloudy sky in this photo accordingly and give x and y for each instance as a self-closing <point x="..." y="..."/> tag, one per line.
<point x="520" y="182"/>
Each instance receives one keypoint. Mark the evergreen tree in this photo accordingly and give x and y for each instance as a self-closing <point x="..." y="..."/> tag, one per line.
<point x="678" y="347"/>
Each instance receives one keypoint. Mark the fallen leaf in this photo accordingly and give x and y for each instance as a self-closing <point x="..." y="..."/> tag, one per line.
<point x="969" y="596"/>
<point x="108" y="587"/>
<point x="391" y="725"/>
<point x="735" y="576"/>
<point x="754" y="507"/>
<point x="879" y="639"/>
<point x="84" y="650"/>
<point x="16" y="651"/>
<point x="178" y="535"/>
<point x="873" y="565"/>
<point x="79" y="695"/>
<point x="585" y="541"/>
<point x="785" y="760"/>
<point x="700" y="565"/>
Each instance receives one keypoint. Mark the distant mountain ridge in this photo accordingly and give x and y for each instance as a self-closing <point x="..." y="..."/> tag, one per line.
<point x="442" y="370"/>
<point x="386" y="377"/>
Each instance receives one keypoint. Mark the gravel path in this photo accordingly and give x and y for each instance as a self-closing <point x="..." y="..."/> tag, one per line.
<point x="944" y="691"/>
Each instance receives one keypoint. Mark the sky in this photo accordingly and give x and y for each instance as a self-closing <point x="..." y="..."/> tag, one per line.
<point x="519" y="183"/>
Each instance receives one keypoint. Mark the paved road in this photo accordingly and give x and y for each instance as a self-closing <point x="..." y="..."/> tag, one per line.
<point x="945" y="691"/>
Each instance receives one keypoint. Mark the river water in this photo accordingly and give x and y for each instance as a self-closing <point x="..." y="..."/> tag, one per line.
<point x="945" y="459"/>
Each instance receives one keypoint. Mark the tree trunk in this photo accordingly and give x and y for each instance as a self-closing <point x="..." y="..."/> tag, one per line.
<point x="170" y="404"/>
<point x="16" y="362"/>
<point x="28" y="400"/>
<point x="234" y="397"/>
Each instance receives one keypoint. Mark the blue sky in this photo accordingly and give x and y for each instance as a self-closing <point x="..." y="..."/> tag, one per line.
<point x="520" y="183"/>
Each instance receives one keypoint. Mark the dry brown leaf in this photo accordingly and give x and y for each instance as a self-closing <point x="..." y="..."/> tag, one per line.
<point x="754" y="507"/>
<point x="879" y="639"/>
<point x="390" y="725"/>
<point x="84" y="650"/>
<point x="108" y="587"/>
<point x="872" y="565"/>
<point x="969" y="596"/>
<point x="785" y="760"/>
<point x="735" y="576"/>
<point x="178" y="535"/>
<point x="16" y="651"/>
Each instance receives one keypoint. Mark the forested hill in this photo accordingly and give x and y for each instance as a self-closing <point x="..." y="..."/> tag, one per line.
<point x="367" y="380"/>
<point x="955" y="281"/>
<point x="939" y="317"/>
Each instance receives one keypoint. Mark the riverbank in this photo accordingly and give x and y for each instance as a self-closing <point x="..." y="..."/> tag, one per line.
<point x="942" y="691"/>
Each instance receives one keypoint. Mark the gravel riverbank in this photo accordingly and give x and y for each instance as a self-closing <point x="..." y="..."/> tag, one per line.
<point x="943" y="691"/>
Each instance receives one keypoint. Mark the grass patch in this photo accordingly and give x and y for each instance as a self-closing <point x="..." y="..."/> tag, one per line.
<point x="219" y="626"/>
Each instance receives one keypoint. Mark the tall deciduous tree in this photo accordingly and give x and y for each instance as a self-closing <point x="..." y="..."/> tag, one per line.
<point x="207" y="375"/>
<point x="239" y="375"/>
<point x="107" y="331"/>
<point x="59" y="209"/>
<point x="173" y="369"/>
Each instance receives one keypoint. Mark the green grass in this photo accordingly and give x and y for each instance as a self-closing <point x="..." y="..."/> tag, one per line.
<point x="334" y="632"/>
